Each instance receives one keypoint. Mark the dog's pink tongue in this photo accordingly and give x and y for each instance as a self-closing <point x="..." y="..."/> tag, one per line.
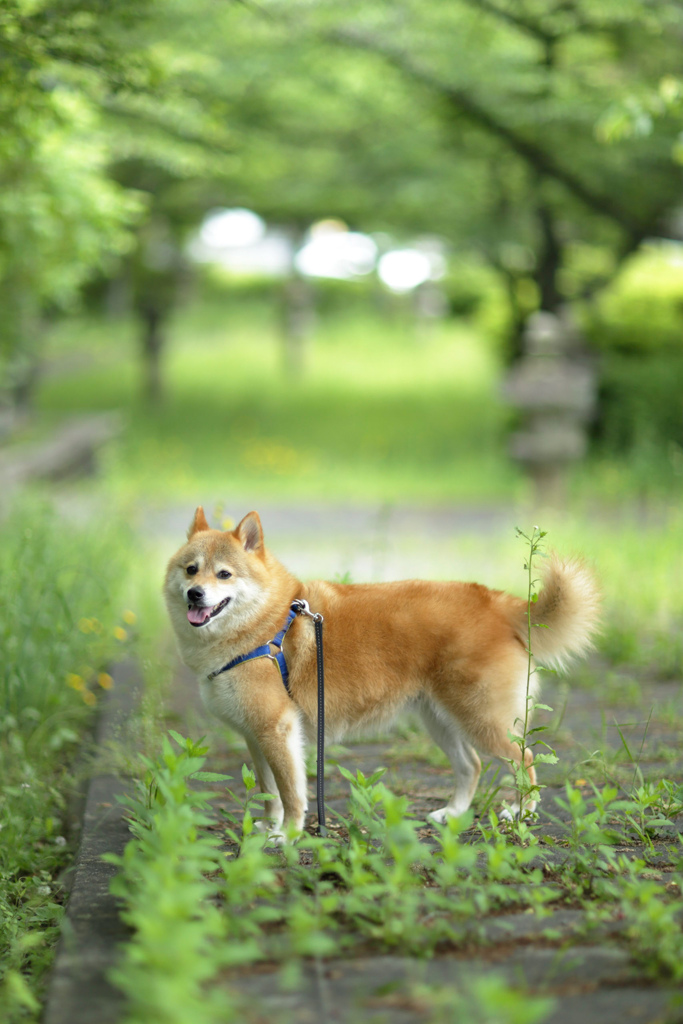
<point x="197" y="616"/>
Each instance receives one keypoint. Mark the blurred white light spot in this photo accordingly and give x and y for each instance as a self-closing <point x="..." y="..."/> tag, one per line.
<point x="404" y="269"/>
<point x="231" y="228"/>
<point x="334" y="252"/>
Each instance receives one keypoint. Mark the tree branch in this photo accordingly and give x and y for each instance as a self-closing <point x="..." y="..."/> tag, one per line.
<point x="517" y="20"/>
<point x="543" y="162"/>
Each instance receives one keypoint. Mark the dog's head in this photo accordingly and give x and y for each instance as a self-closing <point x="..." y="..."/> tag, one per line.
<point x="219" y="579"/>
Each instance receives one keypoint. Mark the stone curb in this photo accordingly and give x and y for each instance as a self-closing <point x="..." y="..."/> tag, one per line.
<point x="78" y="991"/>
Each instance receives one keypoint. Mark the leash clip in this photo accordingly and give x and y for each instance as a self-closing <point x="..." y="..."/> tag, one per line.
<point x="301" y="608"/>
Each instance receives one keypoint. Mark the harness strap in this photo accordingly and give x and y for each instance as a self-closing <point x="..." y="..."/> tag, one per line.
<point x="264" y="651"/>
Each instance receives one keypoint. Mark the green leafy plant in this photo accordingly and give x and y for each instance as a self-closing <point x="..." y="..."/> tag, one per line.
<point x="167" y="880"/>
<point x="56" y="640"/>
<point x="527" y="790"/>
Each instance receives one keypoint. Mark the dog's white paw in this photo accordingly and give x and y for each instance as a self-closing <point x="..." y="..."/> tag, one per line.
<point x="267" y="825"/>
<point x="444" y="814"/>
<point x="512" y="814"/>
<point x="279" y="835"/>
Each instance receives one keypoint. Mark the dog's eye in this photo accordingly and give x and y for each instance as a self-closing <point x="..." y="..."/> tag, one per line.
<point x="191" y="570"/>
<point x="223" y="574"/>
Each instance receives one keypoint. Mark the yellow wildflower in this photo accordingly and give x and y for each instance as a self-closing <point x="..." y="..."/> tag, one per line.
<point x="85" y="625"/>
<point x="89" y="697"/>
<point x="105" y="680"/>
<point x="228" y="523"/>
<point x="130" y="617"/>
<point x="76" y="682"/>
<point x="120" y="633"/>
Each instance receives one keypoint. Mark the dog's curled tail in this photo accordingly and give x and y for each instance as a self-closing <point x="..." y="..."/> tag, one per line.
<point x="566" y="616"/>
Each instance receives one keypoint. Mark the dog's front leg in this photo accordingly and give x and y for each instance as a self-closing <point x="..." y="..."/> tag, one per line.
<point x="273" y="808"/>
<point x="281" y="744"/>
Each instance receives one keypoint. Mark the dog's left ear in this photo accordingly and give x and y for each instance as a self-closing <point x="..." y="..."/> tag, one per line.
<point x="198" y="523"/>
<point x="250" y="532"/>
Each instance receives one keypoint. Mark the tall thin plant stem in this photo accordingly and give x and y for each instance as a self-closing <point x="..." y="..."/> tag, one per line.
<point x="534" y="541"/>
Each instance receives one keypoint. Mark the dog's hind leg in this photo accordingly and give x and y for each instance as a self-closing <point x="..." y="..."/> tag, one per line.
<point x="507" y="750"/>
<point x="492" y="738"/>
<point x="447" y="734"/>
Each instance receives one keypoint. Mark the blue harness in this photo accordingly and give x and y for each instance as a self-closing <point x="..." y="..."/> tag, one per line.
<point x="264" y="650"/>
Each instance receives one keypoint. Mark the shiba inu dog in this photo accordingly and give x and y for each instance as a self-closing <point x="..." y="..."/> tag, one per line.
<point x="455" y="652"/>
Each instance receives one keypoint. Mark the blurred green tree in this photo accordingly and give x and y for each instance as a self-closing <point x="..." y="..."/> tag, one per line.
<point x="478" y="119"/>
<point x="483" y="121"/>
<point x="62" y="217"/>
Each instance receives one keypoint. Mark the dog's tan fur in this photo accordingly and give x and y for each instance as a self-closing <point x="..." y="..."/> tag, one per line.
<point x="457" y="652"/>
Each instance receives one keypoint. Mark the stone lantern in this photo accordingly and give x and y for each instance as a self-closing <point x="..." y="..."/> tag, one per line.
<point x="554" y="388"/>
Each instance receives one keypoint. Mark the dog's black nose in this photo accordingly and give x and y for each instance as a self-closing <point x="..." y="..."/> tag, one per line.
<point x="195" y="594"/>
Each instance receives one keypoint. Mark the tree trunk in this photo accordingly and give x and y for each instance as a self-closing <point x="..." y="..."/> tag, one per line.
<point x="298" y="316"/>
<point x="152" y="344"/>
<point x="549" y="262"/>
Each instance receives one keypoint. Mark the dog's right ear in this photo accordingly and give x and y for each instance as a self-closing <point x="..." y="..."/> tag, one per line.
<point x="198" y="523"/>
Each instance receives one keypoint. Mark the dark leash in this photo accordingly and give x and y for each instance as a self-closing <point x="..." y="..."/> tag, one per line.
<point x="303" y="609"/>
<point x="298" y="607"/>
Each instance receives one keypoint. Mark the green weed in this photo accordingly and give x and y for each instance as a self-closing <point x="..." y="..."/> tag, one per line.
<point x="526" y="790"/>
<point x="165" y="882"/>
<point x="61" y="621"/>
<point x="383" y="887"/>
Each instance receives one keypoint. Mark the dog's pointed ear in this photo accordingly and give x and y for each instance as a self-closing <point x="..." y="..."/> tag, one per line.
<point x="250" y="532"/>
<point x="198" y="523"/>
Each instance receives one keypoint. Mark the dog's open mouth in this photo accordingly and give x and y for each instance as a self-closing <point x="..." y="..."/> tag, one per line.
<point x="200" y="616"/>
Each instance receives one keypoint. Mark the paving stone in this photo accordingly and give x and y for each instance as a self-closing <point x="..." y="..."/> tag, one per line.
<point x="79" y="992"/>
<point x="623" y="1005"/>
<point x="377" y="988"/>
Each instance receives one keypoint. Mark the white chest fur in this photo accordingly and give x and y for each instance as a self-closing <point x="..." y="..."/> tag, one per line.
<point x="224" y="696"/>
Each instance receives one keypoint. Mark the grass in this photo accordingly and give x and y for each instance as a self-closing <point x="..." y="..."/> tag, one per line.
<point x="62" y="620"/>
<point x="376" y="415"/>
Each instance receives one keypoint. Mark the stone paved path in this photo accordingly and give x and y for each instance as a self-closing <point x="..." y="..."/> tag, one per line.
<point x="594" y="982"/>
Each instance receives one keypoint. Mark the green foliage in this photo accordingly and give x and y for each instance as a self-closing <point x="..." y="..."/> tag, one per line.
<point x="59" y="609"/>
<point x="305" y="111"/>
<point x="637" y="564"/>
<point x="642" y="309"/>
<point x="484" y="1000"/>
<point x="641" y="408"/>
<point x="62" y="218"/>
<point x="60" y="606"/>
<point x="162" y="881"/>
<point x="637" y="323"/>
<point x="383" y="886"/>
<point x="653" y="926"/>
<point x="635" y="115"/>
